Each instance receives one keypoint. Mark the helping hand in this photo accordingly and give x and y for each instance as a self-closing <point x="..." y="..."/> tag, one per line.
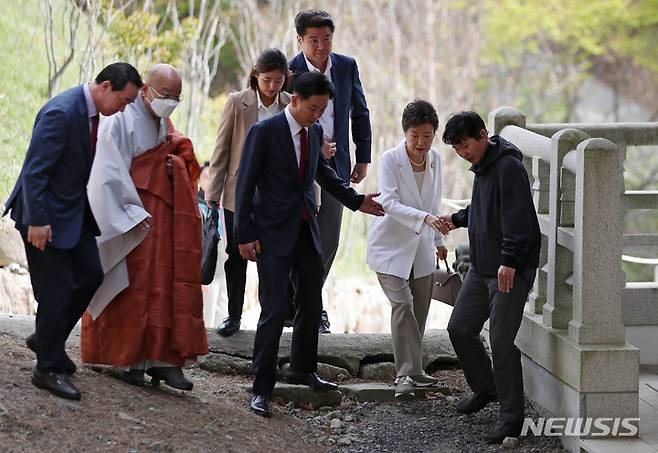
<point x="445" y="224"/>
<point x="371" y="206"/>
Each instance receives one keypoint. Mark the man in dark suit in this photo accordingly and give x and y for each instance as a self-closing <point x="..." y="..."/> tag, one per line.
<point x="315" y="30"/>
<point x="276" y="226"/>
<point x="50" y="207"/>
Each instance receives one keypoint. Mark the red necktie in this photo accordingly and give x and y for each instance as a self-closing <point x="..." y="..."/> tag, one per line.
<point x="303" y="157"/>
<point x="94" y="134"/>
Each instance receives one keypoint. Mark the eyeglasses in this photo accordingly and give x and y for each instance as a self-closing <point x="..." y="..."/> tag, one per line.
<point x="178" y="98"/>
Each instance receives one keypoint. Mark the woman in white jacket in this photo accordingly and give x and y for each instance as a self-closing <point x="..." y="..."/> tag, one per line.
<point x="401" y="245"/>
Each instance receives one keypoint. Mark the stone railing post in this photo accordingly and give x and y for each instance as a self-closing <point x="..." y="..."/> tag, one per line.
<point x="505" y="116"/>
<point x="557" y="310"/>
<point x="598" y="277"/>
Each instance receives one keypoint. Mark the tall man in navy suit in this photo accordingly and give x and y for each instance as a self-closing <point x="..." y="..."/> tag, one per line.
<point x="50" y="207"/>
<point x="315" y="31"/>
<point x="276" y="226"/>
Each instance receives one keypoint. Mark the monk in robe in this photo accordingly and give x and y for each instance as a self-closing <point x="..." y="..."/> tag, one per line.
<point x="147" y="317"/>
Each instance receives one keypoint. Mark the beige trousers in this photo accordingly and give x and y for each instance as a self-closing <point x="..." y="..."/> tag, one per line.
<point x="410" y="303"/>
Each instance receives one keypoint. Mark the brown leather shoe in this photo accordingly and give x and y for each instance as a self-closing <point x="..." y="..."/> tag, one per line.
<point x="56" y="383"/>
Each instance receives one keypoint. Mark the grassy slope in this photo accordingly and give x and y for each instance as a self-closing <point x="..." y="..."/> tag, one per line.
<point x="23" y="83"/>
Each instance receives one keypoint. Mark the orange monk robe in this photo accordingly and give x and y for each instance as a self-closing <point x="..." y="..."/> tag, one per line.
<point x="160" y="315"/>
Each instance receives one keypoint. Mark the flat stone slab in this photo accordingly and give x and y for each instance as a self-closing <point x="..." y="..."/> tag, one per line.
<point x="376" y="391"/>
<point x="347" y="351"/>
<point x="225" y="364"/>
<point x="22" y="326"/>
<point x="302" y="396"/>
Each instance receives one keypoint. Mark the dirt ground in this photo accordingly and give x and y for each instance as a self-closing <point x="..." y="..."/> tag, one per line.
<point x="214" y="417"/>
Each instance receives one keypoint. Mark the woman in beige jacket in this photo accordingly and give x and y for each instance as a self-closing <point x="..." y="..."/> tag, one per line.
<point x="263" y="98"/>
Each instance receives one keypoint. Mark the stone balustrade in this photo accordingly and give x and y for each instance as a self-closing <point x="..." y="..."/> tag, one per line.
<point x="577" y="361"/>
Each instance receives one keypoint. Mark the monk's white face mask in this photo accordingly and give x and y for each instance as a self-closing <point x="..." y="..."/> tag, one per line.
<point x="162" y="107"/>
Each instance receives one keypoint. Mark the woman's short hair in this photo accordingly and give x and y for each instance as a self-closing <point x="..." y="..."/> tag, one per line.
<point x="419" y="112"/>
<point x="269" y="60"/>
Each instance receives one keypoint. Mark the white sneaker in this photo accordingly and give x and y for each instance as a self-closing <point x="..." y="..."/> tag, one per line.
<point x="420" y="380"/>
<point x="404" y="388"/>
<point x="424" y="380"/>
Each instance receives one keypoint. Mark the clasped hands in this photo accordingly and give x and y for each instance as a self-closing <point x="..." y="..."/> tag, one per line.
<point x="444" y="225"/>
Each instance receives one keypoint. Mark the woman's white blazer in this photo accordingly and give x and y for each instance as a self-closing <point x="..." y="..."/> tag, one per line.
<point x="400" y="239"/>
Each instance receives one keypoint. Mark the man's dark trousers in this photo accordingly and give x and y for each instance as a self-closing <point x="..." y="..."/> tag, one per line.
<point x="64" y="281"/>
<point x="329" y="221"/>
<point x="235" y="268"/>
<point x="479" y="300"/>
<point x="305" y="265"/>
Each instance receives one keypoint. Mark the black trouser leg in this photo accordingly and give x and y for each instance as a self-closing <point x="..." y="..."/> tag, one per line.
<point x="235" y="268"/>
<point x="504" y="323"/>
<point x="273" y="280"/>
<point x="307" y="271"/>
<point x="87" y="277"/>
<point x="64" y="282"/>
<point x="478" y="300"/>
<point x="469" y="315"/>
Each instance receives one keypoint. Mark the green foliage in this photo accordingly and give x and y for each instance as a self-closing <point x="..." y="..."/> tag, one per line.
<point x="137" y="38"/>
<point x="23" y="84"/>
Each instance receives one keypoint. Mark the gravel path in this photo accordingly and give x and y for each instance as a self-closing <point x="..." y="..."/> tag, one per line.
<point x="214" y="417"/>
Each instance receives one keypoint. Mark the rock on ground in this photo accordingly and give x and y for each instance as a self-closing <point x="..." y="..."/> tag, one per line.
<point x="382" y="372"/>
<point x="346" y="351"/>
<point x="12" y="249"/>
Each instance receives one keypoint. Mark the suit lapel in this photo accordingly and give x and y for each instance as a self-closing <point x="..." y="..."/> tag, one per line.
<point x="337" y="74"/>
<point x="427" y="189"/>
<point x="287" y="145"/>
<point x="83" y="126"/>
<point x="249" y="109"/>
<point x="407" y="174"/>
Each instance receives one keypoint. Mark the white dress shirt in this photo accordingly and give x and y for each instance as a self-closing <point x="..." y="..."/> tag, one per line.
<point x="327" y="118"/>
<point x="295" y="129"/>
<point x="266" y="112"/>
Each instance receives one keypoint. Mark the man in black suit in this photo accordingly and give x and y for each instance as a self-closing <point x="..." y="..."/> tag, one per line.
<point x="50" y="207"/>
<point x="315" y="32"/>
<point x="276" y="226"/>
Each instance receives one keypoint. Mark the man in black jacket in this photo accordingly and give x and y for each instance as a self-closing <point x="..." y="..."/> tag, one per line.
<point x="504" y="240"/>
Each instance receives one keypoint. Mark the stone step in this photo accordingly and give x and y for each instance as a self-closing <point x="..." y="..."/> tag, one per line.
<point x="302" y="396"/>
<point x="348" y="351"/>
<point x="378" y="391"/>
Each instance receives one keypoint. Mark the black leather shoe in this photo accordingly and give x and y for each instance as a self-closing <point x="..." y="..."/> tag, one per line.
<point x="133" y="377"/>
<point x="475" y="403"/>
<point x="498" y="435"/>
<point x="311" y="379"/>
<point x="324" y="323"/>
<point x="69" y="366"/>
<point x="56" y="383"/>
<point x="228" y="327"/>
<point x="172" y="376"/>
<point x="260" y="405"/>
